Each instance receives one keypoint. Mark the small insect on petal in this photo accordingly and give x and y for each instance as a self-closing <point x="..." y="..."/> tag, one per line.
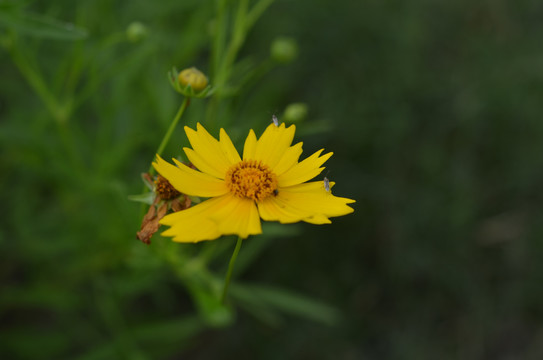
<point x="275" y="120"/>
<point x="326" y="184"/>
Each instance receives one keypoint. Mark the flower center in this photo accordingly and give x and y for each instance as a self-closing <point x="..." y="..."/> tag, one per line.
<point x="164" y="189"/>
<point x="251" y="179"/>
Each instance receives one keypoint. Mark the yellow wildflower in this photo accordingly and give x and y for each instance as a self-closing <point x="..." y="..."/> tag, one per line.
<point x="268" y="183"/>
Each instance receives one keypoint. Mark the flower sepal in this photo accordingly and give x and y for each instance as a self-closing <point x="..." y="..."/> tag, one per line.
<point x="146" y="198"/>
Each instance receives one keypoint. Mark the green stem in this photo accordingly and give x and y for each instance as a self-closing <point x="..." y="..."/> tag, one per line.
<point x="70" y="147"/>
<point x="230" y="269"/>
<point x="256" y="12"/>
<point x="172" y="127"/>
<point x="61" y="111"/>
<point x="218" y="41"/>
<point x="35" y="80"/>
<point x="165" y="141"/>
<point x="237" y="38"/>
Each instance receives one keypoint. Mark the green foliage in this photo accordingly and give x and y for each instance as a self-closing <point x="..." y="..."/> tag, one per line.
<point x="431" y="108"/>
<point x="39" y="26"/>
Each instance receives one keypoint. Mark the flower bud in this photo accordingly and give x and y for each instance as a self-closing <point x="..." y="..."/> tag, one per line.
<point x="284" y="50"/>
<point x="193" y="77"/>
<point x="136" y="32"/>
<point x="295" y="112"/>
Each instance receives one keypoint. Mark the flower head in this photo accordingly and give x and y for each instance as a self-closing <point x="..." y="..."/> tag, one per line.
<point x="268" y="182"/>
<point x="163" y="197"/>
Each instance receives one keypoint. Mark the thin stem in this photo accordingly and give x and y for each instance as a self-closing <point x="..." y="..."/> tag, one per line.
<point x="35" y="80"/>
<point x="218" y="41"/>
<point x="238" y="37"/>
<point x="165" y="141"/>
<point x="230" y="269"/>
<point x="172" y="127"/>
<point x="70" y="147"/>
<point x="60" y="111"/>
<point x="256" y="12"/>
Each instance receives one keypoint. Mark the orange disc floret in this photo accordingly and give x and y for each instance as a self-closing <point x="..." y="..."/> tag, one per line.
<point x="251" y="179"/>
<point x="164" y="189"/>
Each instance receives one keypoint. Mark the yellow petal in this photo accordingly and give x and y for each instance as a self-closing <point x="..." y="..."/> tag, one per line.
<point x="201" y="163"/>
<point x="303" y="171"/>
<point x="189" y="181"/>
<point x="225" y="215"/>
<point x="289" y="159"/>
<point x="250" y="146"/>
<point x="271" y="210"/>
<point x="228" y="148"/>
<point x="240" y="218"/>
<point x="318" y="220"/>
<point x="208" y="148"/>
<point x="313" y="196"/>
<point x="308" y="202"/>
<point x="273" y="143"/>
<point x="192" y="224"/>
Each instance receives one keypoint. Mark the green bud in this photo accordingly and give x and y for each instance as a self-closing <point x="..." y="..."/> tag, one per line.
<point x="284" y="50"/>
<point x="190" y="82"/>
<point x="295" y="112"/>
<point x="136" y="32"/>
<point x="193" y="77"/>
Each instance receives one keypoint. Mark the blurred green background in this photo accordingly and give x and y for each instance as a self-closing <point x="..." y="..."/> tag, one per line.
<point x="433" y="111"/>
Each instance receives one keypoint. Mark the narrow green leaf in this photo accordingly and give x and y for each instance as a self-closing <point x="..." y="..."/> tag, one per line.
<point x="41" y="26"/>
<point x="169" y="330"/>
<point x="146" y="198"/>
<point x="255" y="305"/>
<point x="290" y="302"/>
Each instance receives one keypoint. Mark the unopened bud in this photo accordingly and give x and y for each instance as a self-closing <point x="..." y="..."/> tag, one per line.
<point x="295" y="112"/>
<point x="284" y="50"/>
<point x="193" y="77"/>
<point x="136" y="32"/>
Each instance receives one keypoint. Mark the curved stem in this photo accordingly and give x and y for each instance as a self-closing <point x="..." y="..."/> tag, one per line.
<point x="165" y="141"/>
<point x="230" y="269"/>
<point x="172" y="127"/>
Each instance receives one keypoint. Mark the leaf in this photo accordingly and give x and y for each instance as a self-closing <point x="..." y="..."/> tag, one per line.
<point x="40" y="26"/>
<point x="288" y="302"/>
<point x="169" y="331"/>
<point x="146" y="198"/>
<point x="252" y="303"/>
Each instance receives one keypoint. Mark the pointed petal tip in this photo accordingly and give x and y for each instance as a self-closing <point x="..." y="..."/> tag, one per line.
<point x="188" y="130"/>
<point x="327" y="155"/>
<point x="318" y="219"/>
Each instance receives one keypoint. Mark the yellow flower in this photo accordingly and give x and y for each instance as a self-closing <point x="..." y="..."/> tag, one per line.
<point x="268" y="183"/>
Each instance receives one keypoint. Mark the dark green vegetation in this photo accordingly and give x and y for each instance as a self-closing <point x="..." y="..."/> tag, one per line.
<point x="432" y="108"/>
